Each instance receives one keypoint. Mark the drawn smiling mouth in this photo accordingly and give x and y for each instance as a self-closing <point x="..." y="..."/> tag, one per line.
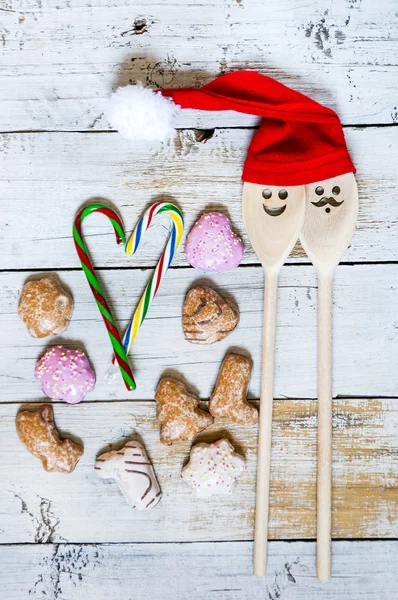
<point x="274" y="212"/>
<point x="324" y="201"/>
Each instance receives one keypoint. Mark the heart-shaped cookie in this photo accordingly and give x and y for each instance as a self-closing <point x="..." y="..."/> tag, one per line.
<point x="212" y="245"/>
<point x="207" y="317"/>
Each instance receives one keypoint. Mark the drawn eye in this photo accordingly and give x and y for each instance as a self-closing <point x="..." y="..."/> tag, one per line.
<point x="283" y="194"/>
<point x="267" y="194"/>
<point x="319" y="190"/>
<point x="336" y="190"/>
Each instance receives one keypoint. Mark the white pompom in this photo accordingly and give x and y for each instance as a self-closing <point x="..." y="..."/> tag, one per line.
<point x="139" y="113"/>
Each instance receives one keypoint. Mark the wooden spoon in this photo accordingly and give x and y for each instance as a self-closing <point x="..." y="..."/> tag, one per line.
<point x="273" y="218"/>
<point x="332" y="210"/>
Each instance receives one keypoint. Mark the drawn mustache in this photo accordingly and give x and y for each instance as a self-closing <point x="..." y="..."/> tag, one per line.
<point x="324" y="201"/>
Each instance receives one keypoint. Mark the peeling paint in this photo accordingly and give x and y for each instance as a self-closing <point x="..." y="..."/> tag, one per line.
<point x="43" y="519"/>
<point x="160" y="74"/>
<point x="95" y="121"/>
<point x="340" y="36"/>
<point x="326" y="33"/>
<point x="186" y="141"/>
<point x="66" y="561"/>
<point x="282" y="579"/>
<point x="321" y="34"/>
<point x="141" y="25"/>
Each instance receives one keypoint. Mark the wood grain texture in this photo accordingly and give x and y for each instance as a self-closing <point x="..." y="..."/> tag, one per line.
<point x="45" y="178"/>
<point x="40" y="507"/>
<point x="364" y="301"/>
<point x="213" y="571"/>
<point x="61" y="60"/>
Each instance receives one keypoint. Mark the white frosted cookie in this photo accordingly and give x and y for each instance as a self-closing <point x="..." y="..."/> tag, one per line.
<point x="213" y="468"/>
<point x="132" y="470"/>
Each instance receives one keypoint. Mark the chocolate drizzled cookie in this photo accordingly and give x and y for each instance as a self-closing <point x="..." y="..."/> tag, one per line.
<point x="207" y="317"/>
<point x="132" y="470"/>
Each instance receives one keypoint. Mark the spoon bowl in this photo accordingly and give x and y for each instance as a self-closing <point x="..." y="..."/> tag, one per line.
<point x="331" y="216"/>
<point x="273" y="217"/>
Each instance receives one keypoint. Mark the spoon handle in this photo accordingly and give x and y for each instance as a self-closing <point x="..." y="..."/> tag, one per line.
<point x="324" y="468"/>
<point x="265" y="425"/>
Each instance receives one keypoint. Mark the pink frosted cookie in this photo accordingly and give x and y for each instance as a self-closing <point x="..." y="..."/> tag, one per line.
<point x="65" y="374"/>
<point x="213" y="468"/>
<point x="212" y="245"/>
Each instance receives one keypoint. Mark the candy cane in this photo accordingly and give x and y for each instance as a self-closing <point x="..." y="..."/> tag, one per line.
<point x="162" y="266"/>
<point x="120" y="354"/>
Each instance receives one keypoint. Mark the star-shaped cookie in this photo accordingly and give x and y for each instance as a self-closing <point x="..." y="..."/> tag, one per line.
<point x="213" y="468"/>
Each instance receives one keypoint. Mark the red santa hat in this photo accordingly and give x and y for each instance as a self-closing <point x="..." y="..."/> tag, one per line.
<point x="299" y="142"/>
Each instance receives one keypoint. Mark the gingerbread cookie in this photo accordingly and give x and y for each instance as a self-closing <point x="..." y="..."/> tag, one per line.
<point x="178" y="412"/>
<point x="213" y="468"/>
<point x="45" y="307"/>
<point x="65" y="374"/>
<point x="229" y="395"/>
<point x="206" y="317"/>
<point x="132" y="470"/>
<point x="38" y="432"/>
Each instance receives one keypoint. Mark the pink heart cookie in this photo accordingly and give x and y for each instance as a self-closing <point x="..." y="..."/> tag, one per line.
<point x="212" y="245"/>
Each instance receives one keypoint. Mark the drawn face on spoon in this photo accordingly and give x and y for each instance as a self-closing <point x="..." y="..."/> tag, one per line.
<point x="326" y="200"/>
<point x="273" y="217"/>
<point x="271" y="204"/>
<point x="332" y="210"/>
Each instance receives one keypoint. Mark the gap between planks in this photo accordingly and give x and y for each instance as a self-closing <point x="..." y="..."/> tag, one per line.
<point x="150" y="267"/>
<point x="181" y="129"/>
<point x="188" y="543"/>
<point x="203" y="401"/>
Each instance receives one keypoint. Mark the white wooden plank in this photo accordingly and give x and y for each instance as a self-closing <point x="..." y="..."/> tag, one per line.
<point x="61" y="60"/>
<point x="361" y="571"/>
<point x="36" y="506"/>
<point x="365" y="340"/>
<point x="57" y="173"/>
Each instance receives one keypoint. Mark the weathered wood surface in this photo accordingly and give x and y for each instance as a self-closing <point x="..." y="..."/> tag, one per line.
<point x="45" y="178"/>
<point x="365" y="326"/>
<point x="361" y="571"/>
<point x="40" y="507"/>
<point x="62" y="59"/>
